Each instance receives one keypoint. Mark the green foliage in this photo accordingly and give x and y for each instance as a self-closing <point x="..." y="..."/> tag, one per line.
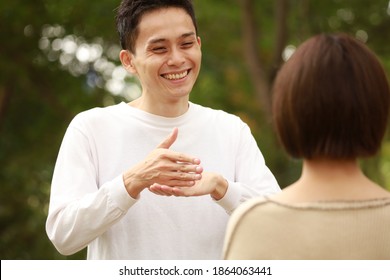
<point x="39" y="96"/>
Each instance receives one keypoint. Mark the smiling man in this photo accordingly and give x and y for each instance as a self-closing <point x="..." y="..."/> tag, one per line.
<point x="139" y="180"/>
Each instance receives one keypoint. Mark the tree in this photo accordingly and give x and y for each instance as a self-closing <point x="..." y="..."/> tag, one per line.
<point x="295" y="21"/>
<point x="42" y="87"/>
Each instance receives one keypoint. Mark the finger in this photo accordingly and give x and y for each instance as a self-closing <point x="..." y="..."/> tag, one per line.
<point x="174" y="156"/>
<point x="189" y="168"/>
<point x="179" y="178"/>
<point x="179" y="169"/>
<point x="181" y="159"/>
<point x="156" y="189"/>
<point x="167" y="143"/>
<point x="176" y="191"/>
<point x="167" y="190"/>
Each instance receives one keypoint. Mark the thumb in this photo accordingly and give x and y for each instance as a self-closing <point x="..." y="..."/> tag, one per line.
<point x="167" y="143"/>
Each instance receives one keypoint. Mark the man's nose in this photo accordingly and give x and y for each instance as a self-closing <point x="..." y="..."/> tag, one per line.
<point x="176" y="57"/>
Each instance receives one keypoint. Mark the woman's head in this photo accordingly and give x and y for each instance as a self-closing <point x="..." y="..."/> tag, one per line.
<point x="331" y="100"/>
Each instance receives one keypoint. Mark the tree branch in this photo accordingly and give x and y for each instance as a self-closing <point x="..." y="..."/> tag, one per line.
<point x="281" y="35"/>
<point x="5" y="96"/>
<point x="257" y="70"/>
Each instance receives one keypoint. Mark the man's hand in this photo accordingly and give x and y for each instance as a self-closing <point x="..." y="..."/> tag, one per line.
<point x="163" y="167"/>
<point x="210" y="184"/>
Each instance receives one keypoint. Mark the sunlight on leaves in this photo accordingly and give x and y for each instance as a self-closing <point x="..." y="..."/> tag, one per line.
<point x="97" y="61"/>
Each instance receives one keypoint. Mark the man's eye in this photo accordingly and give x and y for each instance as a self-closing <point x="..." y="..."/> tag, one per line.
<point x="159" y="49"/>
<point x="188" y="44"/>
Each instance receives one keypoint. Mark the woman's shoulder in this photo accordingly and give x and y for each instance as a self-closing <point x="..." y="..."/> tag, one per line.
<point x="262" y="203"/>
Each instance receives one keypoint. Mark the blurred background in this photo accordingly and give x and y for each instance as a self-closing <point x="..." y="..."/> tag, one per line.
<point x="58" y="58"/>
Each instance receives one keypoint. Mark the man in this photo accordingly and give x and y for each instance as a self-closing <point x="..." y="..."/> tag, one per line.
<point x="125" y="192"/>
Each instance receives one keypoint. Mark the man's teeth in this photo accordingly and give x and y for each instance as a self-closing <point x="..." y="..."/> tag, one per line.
<point x="176" y="76"/>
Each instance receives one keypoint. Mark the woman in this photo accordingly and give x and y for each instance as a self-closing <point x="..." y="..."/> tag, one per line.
<point x="330" y="108"/>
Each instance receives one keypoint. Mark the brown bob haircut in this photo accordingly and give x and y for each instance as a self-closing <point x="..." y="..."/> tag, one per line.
<point x="331" y="100"/>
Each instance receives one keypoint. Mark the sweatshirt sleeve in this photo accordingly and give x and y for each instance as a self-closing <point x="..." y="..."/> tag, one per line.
<point x="80" y="210"/>
<point x="252" y="176"/>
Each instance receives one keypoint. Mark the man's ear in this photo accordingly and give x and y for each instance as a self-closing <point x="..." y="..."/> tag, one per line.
<point x="126" y="58"/>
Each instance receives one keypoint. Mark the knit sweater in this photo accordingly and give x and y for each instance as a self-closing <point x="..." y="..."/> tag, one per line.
<point x="265" y="229"/>
<point x="89" y="205"/>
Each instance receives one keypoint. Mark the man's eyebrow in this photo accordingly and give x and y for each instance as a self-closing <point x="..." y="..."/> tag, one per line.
<point x="155" y="41"/>
<point x="189" y="34"/>
<point x="159" y="40"/>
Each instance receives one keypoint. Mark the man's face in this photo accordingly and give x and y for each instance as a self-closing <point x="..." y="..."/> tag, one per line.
<point x="167" y="54"/>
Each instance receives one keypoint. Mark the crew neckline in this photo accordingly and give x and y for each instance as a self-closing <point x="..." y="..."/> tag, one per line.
<point x="332" y="204"/>
<point x="156" y="119"/>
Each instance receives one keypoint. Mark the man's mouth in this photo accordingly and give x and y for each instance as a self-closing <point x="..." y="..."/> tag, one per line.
<point x="176" y="76"/>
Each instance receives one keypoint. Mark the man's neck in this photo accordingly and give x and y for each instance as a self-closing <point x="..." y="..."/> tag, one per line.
<point x="169" y="109"/>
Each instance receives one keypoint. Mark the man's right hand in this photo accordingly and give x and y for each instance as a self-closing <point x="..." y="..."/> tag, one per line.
<point x="164" y="167"/>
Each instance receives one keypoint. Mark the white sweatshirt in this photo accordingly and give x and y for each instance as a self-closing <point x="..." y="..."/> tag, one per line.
<point x="89" y="205"/>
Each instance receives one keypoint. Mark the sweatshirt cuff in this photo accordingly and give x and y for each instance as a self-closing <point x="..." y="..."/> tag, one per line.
<point x="232" y="197"/>
<point x="118" y="194"/>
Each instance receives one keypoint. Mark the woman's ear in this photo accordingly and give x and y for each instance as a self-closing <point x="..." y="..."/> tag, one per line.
<point x="126" y="58"/>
